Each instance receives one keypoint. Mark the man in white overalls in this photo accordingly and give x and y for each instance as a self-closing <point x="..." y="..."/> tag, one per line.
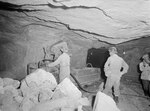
<point x="64" y="62"/>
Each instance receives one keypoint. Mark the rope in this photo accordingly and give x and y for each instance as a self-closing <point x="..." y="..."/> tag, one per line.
<point x="145" y="97"/>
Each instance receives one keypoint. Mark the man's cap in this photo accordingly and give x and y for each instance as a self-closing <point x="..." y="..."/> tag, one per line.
<point x="113" y="49"/>
<point x="145" y="56"/>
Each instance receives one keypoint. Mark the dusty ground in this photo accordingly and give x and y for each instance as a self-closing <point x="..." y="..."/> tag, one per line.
<point x="131" y="98"/>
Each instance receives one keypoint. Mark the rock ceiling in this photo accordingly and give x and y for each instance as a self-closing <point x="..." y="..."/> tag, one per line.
<point x="112" y="21"/>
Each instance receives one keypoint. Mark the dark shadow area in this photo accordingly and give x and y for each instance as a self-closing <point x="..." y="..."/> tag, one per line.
<point x="97" y="58"/>
<point x="93" y="100"/>
<point x="13" y="7"/>
<point x="138" y="70"/>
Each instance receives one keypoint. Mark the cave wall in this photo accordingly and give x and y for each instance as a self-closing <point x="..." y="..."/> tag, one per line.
<point x="23" y="38"/>
<point x="134" y="50"/>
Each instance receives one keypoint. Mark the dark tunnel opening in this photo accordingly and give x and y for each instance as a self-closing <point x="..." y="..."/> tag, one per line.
<point x="97" y="58"/>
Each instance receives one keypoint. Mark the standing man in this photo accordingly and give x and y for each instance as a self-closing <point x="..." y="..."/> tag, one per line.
<point x="145" y="75"/>
<point x="64" y="62"/>
<point x="114" y="68"/>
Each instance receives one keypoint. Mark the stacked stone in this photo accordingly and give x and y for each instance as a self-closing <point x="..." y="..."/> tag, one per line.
<point x="39" y="91"/>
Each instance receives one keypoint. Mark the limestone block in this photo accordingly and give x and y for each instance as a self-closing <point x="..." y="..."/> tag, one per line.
<point x="10" y="85"/>
<point x="12" y="90"/>
<point x="58" y="94"/>
<point x="24" y="88"/>
<point x="41" y="78"/>
<point x="69" y="89"/>
<point x="7" y="81"/>
<point x="18" y="99"/>
<point x="27" y="104"/>
<point x="50" y="105"/>
<point x="69" y="92"/>
<point x="37" y="88"/>
<point x="72" y="103"/>
<point x="77" y="103"/>
<point x="66" y="97"/>
<point x="8" y="93"/>
<point x="31" y="98"/>
<point x="83" y="102"/>
<point x="64" y="103"/>
<point x="8" y="103"/>
<point x="46" y="85"/>
<point x="1" y="90"/>
<point x="104" y="102"/>
<point x="45" y="95"/>
<point x="54" y="70"/>
<point x="14" y="93"/>
<point x="11" y="82"/>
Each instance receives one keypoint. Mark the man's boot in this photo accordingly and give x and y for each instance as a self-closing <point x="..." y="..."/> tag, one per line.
<point x="116" y="99"/>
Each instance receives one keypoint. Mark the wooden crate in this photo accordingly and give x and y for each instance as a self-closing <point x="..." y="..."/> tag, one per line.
<point x="87" y="76"/>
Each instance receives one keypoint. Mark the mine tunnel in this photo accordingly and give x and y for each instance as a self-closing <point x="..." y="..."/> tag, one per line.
<point x="97" y="58"/>
<point x="34" y="34"/>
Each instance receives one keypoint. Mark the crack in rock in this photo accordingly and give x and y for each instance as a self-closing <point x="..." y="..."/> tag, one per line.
<point x="13" y="7"/>
<point x="78" y="30"/>
<point x="58" y="1"/>
<point x="82" y="7"/>
<point x="69" y="28"/>
<point x="144" y="22"/>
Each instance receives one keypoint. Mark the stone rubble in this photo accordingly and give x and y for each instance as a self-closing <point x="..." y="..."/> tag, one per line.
<point x="39" y="91"/>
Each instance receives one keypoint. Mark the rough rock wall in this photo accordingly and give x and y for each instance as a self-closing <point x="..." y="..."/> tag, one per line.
<point x="23" y="39"/>
<point x="112" y="21"/>
<point x="26" y="27"/>
<point x="133" y="52"/>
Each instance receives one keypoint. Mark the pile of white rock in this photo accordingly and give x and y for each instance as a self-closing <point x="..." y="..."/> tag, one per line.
<point x="9" y="94"/>
<point x="39" y="91"/>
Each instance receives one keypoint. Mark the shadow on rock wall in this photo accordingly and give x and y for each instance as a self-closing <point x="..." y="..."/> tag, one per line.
<point x="11" y="56"/>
